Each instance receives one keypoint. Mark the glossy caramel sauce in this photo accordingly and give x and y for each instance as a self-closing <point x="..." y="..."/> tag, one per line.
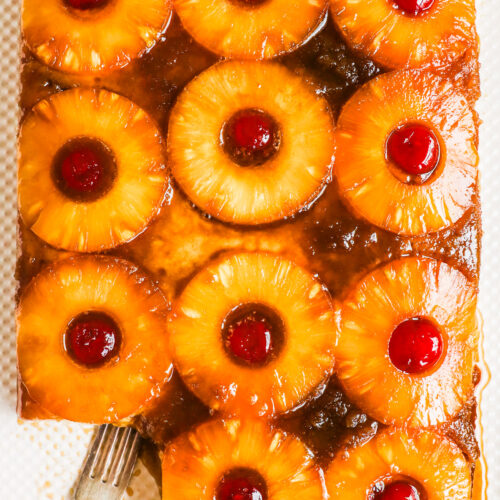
<point x="326" y="238"/>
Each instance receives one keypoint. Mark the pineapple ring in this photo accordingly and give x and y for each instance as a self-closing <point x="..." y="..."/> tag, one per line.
<point x="126" y="383"/>
<point x="216" y="447"/>
<point x="237" y="29"/>
<point x="95" y="40"/>
<point x="397" y="40"/>
<point x="432" y="460"/>
<point x="141" y="181"/>
<point x="400" y="290"/>
<point x="286" y="183"/>
<point x="305" y="359"/>
<point x="364" y="173"/>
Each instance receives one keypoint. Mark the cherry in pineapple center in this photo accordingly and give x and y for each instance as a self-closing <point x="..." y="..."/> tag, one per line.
<point x="414" y="149"/>
<point x="251" y="137"/>
<point x="92" y="338"/>
<point x="253" y="334"/>
<point x="413" y="7"/>
<point x="416" y="346"/>
<point x="84" y="169"/>
<point x="399" y="490"/>
<point x="251" y="4"/>
<point x="242" y="484"/>
<point x="86" y="4"/>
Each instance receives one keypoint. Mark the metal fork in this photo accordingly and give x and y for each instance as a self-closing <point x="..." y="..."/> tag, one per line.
<point x="109" y="464"/>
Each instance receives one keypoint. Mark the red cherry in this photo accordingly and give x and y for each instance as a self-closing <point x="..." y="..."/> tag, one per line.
<point x="414" y="149"/>
<point x="252" y="131"/>
<point x="251" y="137"/>
<point x="239" y="488"/>
<point x="415" y="346"/>
<point x="252" y="3"/>
<point x="399" y="490"/>
<point x="250" y="340"/>
<point x="92" y="338"/>
<point x="86" y="4"/>
<point x="82" y="171"/>
<point x="414" y="7"/>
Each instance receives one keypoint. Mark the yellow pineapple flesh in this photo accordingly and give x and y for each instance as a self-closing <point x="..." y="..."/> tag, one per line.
<point x="259" y="368"/>
<point x="93" y="40"/>
<point x="76" y="388"/>
<point x="383" y="300"/>
<point x="397" y="39"/>
<point x="434" y="465"/>
<point x="251" y="29"/>
<point x="283" y="185"/>
<point x="271" y="463"/>
<point x="138" y="187"/>
<point x="373" y="185"/>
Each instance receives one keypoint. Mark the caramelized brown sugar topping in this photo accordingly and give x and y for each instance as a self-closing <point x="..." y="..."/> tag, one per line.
<point x="325" y="237"/>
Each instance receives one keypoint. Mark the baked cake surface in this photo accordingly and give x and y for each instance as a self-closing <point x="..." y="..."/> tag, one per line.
<point x="267" y="262"/>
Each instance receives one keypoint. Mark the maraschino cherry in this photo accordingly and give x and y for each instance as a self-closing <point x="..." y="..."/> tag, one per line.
<point x="399" y="490"/>
<point x="251" y="137"/>
<point x="251" y="3"/>
<point x="82" y="170"/>
<point x="92" y="339"/>
<point x="250" y="339"/>
<point x="239" y="488"/>
<point x="242" y="484"/>
<point x="414" y="7"/>
<point x="414" y="148"/>
<point x="416" y="345"/>
<point x="86" y="4"/>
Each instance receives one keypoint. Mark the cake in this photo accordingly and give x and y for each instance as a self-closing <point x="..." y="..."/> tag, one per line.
<point x="251" y="230"/>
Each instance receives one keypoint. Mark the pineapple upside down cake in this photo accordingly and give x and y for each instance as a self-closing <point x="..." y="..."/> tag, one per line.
<point x="251" y="229"/>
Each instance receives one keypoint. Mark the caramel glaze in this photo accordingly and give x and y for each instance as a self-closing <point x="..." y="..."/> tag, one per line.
<point x="327" y="238"/>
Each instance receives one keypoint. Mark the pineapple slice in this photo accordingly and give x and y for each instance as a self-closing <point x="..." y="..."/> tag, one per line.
<point x="406" y="153"/>
<point x="253" y="333"/>
<point x="92" y="36"/>
<point x="418" y="464"/>
<point x="251" y="29"/>
<point x="92" y="172"/>
<point x="92" y="344"/>
<point x="233" y="459"/>
<point x="251" y="143"/>
<point x="408" y="334"/>
<point x="407" y="33"/>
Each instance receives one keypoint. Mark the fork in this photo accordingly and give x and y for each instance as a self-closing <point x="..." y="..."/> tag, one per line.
<point x="109" y="464"/>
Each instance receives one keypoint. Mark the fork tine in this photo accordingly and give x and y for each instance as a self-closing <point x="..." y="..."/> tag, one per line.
<point x="119" y="456"/>
<point x="101" y="445"/>
<point x="109" y="464"/>
<point x="110" y="455"/>
<point x="129" y="458"/>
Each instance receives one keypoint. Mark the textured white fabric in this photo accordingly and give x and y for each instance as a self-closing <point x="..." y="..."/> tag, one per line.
<point x="489" y="297"/>
<point x="40" y="460"/>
